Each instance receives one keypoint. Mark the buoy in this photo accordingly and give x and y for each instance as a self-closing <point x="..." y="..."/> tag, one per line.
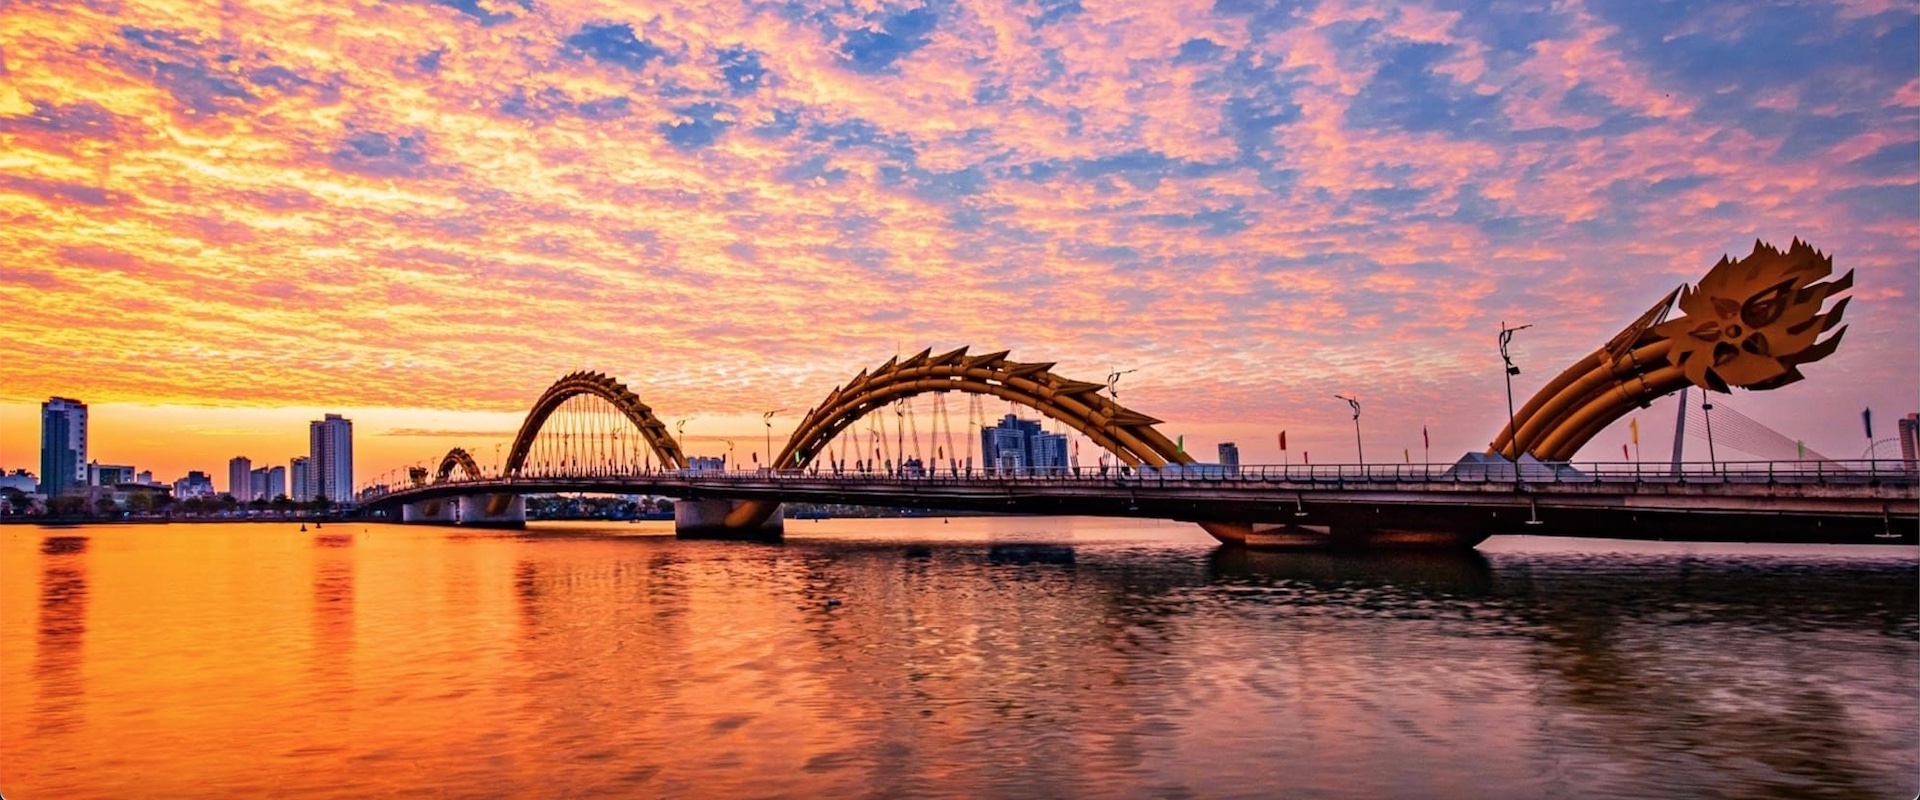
<point x="303" y="527"/>
<point x="831" y="602"/>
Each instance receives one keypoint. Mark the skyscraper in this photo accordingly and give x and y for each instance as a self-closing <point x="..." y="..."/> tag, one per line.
<point x="1910" y="441"/>
<point x="1229" y="455"/>
<point x="331" y="453"/>
<point x="63" y="445"/>
<point x="300" y="478"/>
<point x="240" y="478"/>
<point x="276" y="482"/>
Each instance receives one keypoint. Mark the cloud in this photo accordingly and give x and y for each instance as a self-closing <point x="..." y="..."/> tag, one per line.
<point x="441" y="433"/>
<point x="614" y="44"/>
<point x="444" y="205"/>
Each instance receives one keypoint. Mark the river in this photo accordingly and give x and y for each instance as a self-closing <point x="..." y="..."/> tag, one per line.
<point x="972" y="657"/>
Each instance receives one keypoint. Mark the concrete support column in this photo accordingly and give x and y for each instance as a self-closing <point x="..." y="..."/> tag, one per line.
<point x="432" y="512"/>
<point x="706" y="519"/>
<point x="493" y="511"/>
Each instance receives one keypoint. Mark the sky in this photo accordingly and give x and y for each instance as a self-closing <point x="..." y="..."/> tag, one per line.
<point x="224" y="219"/>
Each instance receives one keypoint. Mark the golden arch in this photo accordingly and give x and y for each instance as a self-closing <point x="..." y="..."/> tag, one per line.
<point x="1128" y="434"/>
<point x="1749" y="323"/>
<point x="605" y="388"/>
<point x="457" y="457"/>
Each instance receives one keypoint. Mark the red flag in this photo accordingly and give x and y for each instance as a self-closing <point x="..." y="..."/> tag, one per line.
<point x="1424" y="439"/>
<point x="1624" y="455"/>
<point x="1283" y="441"/>
<point x="1306" y="457"/>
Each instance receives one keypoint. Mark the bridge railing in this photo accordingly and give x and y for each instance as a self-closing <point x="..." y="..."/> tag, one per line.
<point x="1855" y="472"/>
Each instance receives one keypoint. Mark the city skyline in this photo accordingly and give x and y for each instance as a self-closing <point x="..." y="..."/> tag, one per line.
<point x="231" y="223"/>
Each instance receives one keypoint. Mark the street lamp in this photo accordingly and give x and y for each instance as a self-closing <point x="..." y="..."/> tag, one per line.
<point x="1706" y="406"/>
<point x="1506" y="338"/>
<point x="1356" y="426"/>
<point x="767" y="419"/>
<point x="731" y="464"/>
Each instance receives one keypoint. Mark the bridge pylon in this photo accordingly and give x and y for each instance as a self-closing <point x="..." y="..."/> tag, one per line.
<point x="748" y="520"/>
<point x="438" y="511"/>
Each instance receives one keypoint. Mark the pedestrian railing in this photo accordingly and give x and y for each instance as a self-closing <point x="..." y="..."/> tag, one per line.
<point x="1878" y="472"/>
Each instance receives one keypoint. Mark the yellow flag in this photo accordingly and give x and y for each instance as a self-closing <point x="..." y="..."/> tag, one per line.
<point x="1634" y="425"/>
<point x="1408" y="454"/>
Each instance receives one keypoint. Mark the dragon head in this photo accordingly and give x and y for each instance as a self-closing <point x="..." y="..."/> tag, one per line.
<point x="1751" y="322"/>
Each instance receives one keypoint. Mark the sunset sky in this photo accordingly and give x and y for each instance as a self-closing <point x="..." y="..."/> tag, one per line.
<point x="224" y="219"/>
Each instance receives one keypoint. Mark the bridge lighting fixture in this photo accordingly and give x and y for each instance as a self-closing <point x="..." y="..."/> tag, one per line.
<point x="1506" y="338"/>
<point x="1358" y="451"/>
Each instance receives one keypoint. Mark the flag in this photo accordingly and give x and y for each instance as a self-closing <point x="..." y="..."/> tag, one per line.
<point x="1182" y="444"/>
<point x="1306" y="457"/>
<point x="1803" y="448"/>
<point x="1283" y="441"/>
<point x="1634" y="425"/>
<point x="1425" y="440"/>
<point x="1624" y="456"/>
<point x="1866" y="418"/>
<point x="1407" y="454"/>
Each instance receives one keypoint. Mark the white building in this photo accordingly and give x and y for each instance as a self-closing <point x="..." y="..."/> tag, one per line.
<point x="331" y="454"/>
<point x="99" y="474"/>
<point x="195" y="484"/>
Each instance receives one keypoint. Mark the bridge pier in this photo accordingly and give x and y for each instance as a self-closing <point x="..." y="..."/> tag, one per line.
<point x="707" y="519"/>
<point x="493" y="511"/>
<point x="1350" y="537"/>
<point x="430" y="512"/>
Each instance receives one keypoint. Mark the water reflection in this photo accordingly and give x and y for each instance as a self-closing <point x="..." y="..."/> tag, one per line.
<point x="1441" y="573"/>
<point x="983" y="666"/>
<point x="333" y="615"/>
<point x="59" y="654"/>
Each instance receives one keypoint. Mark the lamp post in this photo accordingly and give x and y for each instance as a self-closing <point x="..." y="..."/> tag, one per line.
<point x="731" y="464"/>
<point x="1513" y="436"/>
<point x="767" y="419"/>
<point x="1706" y="407"/>
<point x="1357" y="449"/>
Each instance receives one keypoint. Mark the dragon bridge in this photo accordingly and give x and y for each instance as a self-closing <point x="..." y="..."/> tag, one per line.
<point x="1750" y="323"/>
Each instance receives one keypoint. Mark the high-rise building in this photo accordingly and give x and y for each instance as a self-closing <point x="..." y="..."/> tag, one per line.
<point x="1910" y="441"/>
<point x="240" y="477"/>
<point x="257" y="484"/>
<point x="276" y="483"/>
<point x="63" y="445"/>
<point x="1229" y="455"/>
<point x="331" y="453"/>
<point x="300" y="478"/>
<point x="1048" y="452"/>
<point x="1019" y="445"/>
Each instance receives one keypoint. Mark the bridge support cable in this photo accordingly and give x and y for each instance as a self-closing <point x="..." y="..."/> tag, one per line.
<point x="1747" y="435"/>
<point x="571" y="429"/>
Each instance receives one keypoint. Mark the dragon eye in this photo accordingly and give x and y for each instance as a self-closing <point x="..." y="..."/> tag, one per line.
<point x="1767" y="305"/>
<point x="1724" y="353"/>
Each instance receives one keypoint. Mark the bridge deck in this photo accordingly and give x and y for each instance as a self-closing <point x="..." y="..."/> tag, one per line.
<point x="1724" y="504"/>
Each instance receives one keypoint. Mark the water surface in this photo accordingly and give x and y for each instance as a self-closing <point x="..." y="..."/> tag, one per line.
<point x="963" y="658"/>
